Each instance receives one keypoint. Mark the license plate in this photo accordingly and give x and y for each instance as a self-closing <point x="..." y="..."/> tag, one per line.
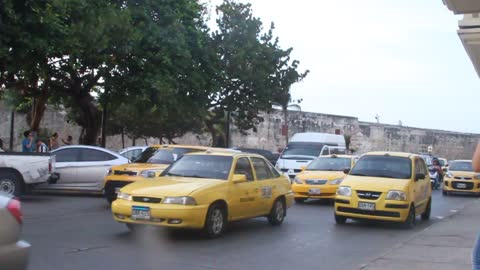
<point x="461" y="185"/>
<point x="141" y="212"/>
<point x="314" y="191"/>
<point x="366" y="206"/>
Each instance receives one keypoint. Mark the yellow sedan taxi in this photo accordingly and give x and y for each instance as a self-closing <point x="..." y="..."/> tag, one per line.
<point x="205" y="191"/>
<point x="386" y="186"/>
<point x="147" y="165"/>
<point x="321" y="177"/>
<point x="460" y="178"/>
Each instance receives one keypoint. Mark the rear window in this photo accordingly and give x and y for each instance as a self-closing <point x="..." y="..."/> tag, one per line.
<point x="201" y="166"/>
<point x="163" y="155"/>
<point x="330" y="164"/>
<point x="302" y="150"/>
<point x="462" y="166"/>
<point x="383" y="166"/>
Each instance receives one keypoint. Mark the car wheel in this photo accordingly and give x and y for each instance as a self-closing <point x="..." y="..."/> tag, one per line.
<point x="110" y="197"/>
<point x="409" y="223"/>
<point x="278" y="213"/>
<point x="428" y="210"/>
<point x="300" y="200"/>
<point x="10" y="184"/>
<point x="216" y="221"/>
<point x="340" y="220"/>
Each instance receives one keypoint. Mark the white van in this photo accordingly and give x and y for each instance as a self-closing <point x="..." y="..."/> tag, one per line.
<point x="305" y="147"/>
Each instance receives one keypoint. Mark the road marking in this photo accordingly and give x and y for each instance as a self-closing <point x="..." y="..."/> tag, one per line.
<point x="453" y="210"/>
<point x="439" y="217"/>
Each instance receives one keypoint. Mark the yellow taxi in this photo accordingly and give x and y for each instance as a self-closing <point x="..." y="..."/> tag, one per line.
<point x="206" y="191"/>
<point x="461" y="178"/>
<point x="386" y="186"/>
<point x="149" y="164"/>
<point x="321" y="177"/>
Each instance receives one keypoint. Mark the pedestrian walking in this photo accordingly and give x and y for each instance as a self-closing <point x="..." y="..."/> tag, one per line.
<point x="1" y="146"/>
<point x="27" y="144"/>
<point x="54" y="141"/>
<point x="476" y="248"/>
<point x="41" y="146"/>
<point x="69" y="140"/>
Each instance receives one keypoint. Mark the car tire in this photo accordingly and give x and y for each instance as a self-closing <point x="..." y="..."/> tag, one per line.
<point x="216" y="221"/>
<point x="300" y="200"/>
<point x="428" y="210"/>
<point x="340" y="220"/>
<point x="409" y="223"/>
<point x="10" y="184"/>
<point x="110" y="198"/>
<point x="277" y="213"/>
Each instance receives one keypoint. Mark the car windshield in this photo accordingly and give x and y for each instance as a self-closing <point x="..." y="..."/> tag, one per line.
<point x="303" y="150"/>
<point x="464" y="166"/>
<point x="162" y="155"/>
<point x="330" y="164"/>
<point x="442" y="162"/>
<point x="201" y="166"/>
<point x="383" y="166"/>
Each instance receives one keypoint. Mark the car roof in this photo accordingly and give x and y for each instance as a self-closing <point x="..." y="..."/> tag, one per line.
<point x="394" y="154"/>
<point x="88" y="147"/>
<point x="338" y="156"/>
<point x="171" y="146"/>
<point x="226" y="153"/>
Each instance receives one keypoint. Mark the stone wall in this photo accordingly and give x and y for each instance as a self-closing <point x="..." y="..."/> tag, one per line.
<point x="365" y="136"/>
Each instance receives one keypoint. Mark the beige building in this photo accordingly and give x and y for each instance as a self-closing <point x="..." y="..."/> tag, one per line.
<point x="469" y="27"/>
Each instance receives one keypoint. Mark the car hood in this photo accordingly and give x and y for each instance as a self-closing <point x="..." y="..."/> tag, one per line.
<point x="140" y="167"/>
<point x="327" y="175"/>
<point x="463" y="174"/>
<point x="379" y="184"/>
<point x="168" y="186"/>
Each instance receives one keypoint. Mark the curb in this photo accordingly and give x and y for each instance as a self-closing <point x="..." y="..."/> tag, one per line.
<point x="402" y="243"/>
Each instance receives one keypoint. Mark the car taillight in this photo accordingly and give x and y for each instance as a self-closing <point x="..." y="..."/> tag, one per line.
<point x="15" y="209"/>
<point x="50" y="165"/>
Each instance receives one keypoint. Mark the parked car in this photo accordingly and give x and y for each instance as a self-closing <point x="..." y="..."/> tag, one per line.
<point x="132" y="152"/>
<point x="265" y="153"/>
<point x="13" y="251"/>
<point x="385" y="186"/>
<point x="205" y="190"/>
<point x="461" y="178"/>
<point x="82" y="168"/>
<point x="19" y="172"/>
<point x="321" y="178"/>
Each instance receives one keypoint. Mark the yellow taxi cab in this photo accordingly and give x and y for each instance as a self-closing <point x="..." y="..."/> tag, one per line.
<point x="149" y="164"/>
<point x="206" y="191"/>
<point x="321" y="177"/>
<point x="461" y="178"/>
<point x="386" y="186"/>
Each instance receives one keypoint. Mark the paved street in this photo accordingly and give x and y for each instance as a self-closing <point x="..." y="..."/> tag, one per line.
<point x="77" y="232"/>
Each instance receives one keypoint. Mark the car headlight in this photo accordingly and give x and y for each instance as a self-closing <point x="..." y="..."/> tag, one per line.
<point x="337" y="181"/>
<point x="344" y="191"/>
<point x="396" y="195"/>
<point x="180" y="200"/>
<point x="149" y="173"/>
<point x="124" y="196"/>
<point x="297" y="180"/>
<point x="449" y="175"/>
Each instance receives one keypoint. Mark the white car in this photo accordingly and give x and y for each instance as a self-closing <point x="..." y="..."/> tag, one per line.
<point x="132" y="152"/>
<point x="13" y="251"/>
<point x="82" y="168"/>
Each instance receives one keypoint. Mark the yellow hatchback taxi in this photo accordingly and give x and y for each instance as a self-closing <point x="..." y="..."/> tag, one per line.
<point x="321" y="177"/>
<point x="386" y="186"/>
<point x="205" y="191"/>
<point x="460" y="178"/>
<point x="149" y="164"/>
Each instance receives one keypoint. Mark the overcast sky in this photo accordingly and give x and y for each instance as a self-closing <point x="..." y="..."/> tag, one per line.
<point x="399" y="59"/>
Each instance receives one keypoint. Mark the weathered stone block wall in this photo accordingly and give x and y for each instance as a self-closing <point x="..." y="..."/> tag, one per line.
<point x="365" y="136"/>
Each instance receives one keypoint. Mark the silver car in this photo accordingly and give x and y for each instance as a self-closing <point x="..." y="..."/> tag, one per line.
<point x="82" y="168"/>
<point x="13" y="251"/>
<point x="132" y="152"/>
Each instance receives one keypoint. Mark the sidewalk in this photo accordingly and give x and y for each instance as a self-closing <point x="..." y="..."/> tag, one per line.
<point x="446" y="245"/>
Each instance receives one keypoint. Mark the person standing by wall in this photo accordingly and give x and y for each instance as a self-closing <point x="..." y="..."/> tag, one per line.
<point x="27" y="144"/>
<point x="41" y="146"/>
<point x="69" y="140"/>
<point x="54" y="141"/>
<point x="476" y="248"/>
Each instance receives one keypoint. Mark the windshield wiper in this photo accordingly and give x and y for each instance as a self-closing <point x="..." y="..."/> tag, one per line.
<point x="359" y="174"/>
<point x="174" y="174"/>
<point x="195" y="176"/>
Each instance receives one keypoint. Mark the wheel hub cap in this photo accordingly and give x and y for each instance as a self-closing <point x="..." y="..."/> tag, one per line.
<point x="217" y="221"/>
<point x="279" y="210"/>
<point x="7" y="186"/>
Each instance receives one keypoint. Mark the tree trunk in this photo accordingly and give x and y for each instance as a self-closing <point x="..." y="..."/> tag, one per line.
<point x="38" y="111"/>
<point x="89" y="118"/>
<point x="285" y="121"/>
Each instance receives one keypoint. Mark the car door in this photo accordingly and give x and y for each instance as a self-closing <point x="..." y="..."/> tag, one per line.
<point x="244" y="197"/>
<point x="65" y="165"/>
<point x="421" y="185"/>
<point x="268" y="185"/>
<point x="92" y="167"/>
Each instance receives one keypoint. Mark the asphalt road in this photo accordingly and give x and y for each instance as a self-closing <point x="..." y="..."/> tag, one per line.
<point x="78" y="233"/>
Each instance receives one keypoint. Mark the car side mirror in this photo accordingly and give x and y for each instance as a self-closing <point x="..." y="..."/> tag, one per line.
<point x="239" y="178"/>
<point x="346" y="170"/>
<point x="303" y="168"/>
<point x="419" y="176"/>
